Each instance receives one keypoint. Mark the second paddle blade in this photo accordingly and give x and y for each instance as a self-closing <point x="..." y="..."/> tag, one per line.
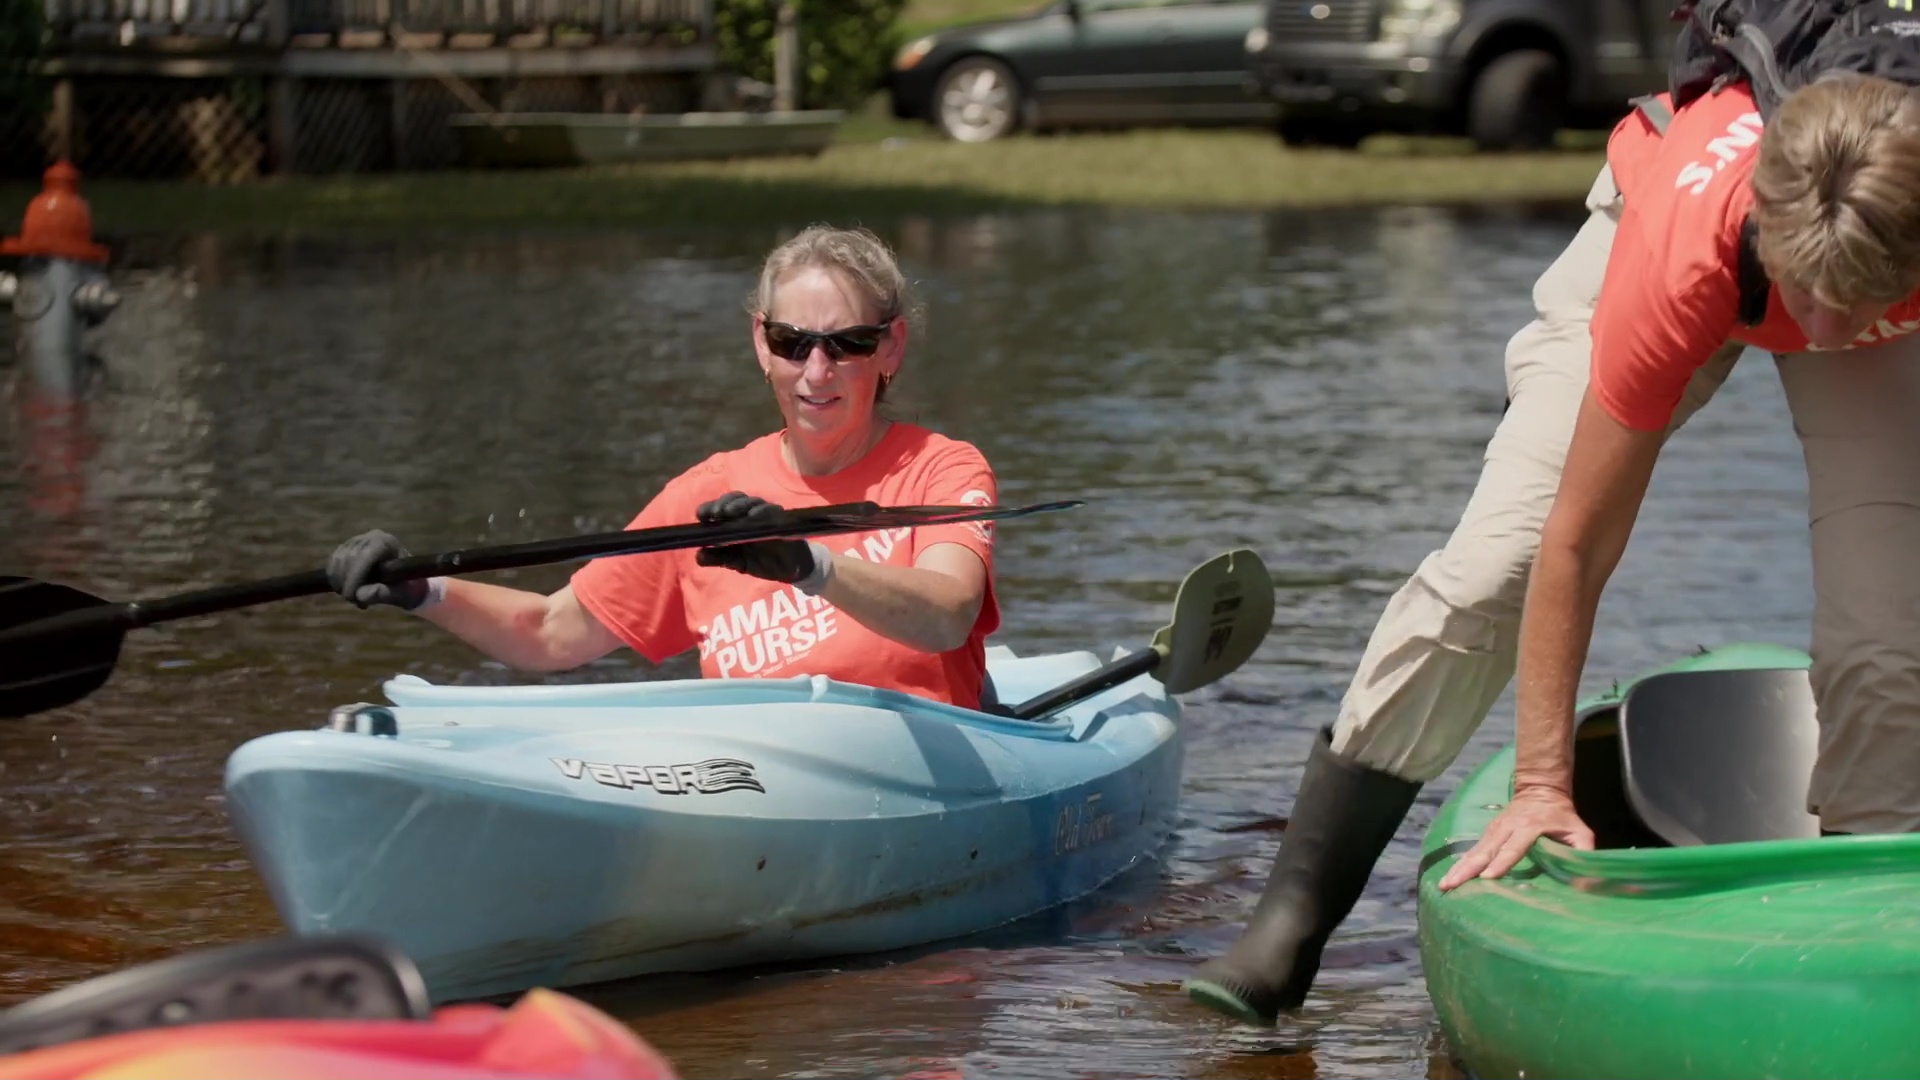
<point x="42" y="673"/>
<point x="1220" y="616"/>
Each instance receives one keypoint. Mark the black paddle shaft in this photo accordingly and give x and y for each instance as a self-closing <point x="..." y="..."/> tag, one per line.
<point x="813" y="521"/>
<point x="1101" y="678"/>
<point x="138" y="613"/>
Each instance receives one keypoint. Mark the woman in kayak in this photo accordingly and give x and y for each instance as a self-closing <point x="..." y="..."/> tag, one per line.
<point x="902" y="609"/>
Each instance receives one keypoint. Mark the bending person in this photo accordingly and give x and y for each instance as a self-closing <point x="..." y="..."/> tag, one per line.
<point x="1637" y="324"/>
<point x="905" y="609"/>
<point x="1835" y="198"/>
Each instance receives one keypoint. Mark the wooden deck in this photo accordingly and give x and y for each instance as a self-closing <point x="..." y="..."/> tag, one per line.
<point x="78" y="24"/>
<point x="226" y="90"/>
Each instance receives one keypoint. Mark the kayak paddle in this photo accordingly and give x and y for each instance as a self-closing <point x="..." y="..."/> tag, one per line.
<point x="59" y="644"/>
<point x="1220" y="616"/>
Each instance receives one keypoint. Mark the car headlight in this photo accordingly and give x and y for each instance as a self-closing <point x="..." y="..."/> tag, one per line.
<point x="912" y="53"/>
<point x="1405" y="20"/>
<point x="1257" y="39"/>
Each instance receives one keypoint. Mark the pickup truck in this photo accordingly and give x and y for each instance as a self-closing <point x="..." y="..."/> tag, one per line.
<point x="1509" y="74"/>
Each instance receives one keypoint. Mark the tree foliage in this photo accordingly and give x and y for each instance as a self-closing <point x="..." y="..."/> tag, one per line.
<point x="845" y="45"/>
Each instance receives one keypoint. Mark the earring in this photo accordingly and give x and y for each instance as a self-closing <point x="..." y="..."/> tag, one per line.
<point x="766" y="377"/>
<point x="885" y="381"/>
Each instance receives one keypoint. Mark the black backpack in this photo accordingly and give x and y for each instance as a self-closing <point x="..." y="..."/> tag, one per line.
<point x="1776" y="47"/>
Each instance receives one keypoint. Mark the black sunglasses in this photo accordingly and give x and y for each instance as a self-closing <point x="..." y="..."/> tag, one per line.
<point x="792" y="343"/>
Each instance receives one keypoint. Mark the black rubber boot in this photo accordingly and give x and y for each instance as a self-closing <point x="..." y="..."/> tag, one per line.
<point x="1343" y="818"/>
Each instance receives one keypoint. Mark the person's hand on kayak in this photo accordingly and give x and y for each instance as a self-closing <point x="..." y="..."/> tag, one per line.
<point x="1534" y="812"/>
<point x="785" y="561"/>
<point x="350" y="572"/>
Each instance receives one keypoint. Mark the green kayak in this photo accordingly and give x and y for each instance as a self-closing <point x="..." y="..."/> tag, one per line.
<point x="1714" y="933"/>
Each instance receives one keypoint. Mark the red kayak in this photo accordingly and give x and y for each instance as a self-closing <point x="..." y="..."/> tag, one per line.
<point x="545" y="1034"/>
<point x="237" y="1014"/>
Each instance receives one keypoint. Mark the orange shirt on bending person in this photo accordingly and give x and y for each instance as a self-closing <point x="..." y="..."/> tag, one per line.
<point x="1671" y="296"/>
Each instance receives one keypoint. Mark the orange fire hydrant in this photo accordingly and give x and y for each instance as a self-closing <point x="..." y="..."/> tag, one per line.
<point x="60" y="288"/>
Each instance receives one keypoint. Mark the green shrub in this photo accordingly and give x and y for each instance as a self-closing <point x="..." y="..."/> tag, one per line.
<point x="845" y="45"/>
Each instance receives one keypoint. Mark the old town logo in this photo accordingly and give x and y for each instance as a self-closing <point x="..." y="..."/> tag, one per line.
<point x="710" y="777"/>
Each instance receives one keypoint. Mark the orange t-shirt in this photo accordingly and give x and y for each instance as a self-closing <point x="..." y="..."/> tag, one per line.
<point x="663" y="603"/>
<point x="1671" y="295"/>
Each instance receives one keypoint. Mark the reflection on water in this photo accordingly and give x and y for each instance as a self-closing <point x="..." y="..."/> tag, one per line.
<point x="1318" y="386"/>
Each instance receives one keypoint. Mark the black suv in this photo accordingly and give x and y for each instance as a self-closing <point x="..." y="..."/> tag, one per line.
<point x="1506" y="73"/>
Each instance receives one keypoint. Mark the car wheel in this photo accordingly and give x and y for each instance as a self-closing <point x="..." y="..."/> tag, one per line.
<point x="1519" y="102"/>
<point x="1321" y="131"/>
<point x="976" y="100"/>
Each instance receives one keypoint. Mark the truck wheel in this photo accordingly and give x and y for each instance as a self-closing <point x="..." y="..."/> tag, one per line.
<point x="1519" y="102"/>
<point x="976" y="100"/>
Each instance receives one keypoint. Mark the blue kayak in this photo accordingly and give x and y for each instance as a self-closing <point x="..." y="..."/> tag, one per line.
<point x="520" y="836"/>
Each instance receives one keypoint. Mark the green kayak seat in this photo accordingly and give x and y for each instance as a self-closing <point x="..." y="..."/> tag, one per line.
<point x="1721" y="757"/>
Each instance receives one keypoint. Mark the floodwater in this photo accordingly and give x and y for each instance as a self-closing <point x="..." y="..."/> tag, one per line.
<point x="1318" y="386"/>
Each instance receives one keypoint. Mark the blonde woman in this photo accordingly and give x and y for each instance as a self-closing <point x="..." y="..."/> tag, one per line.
<point x="1705" y="236"/>
<point x="1834" y="199"/>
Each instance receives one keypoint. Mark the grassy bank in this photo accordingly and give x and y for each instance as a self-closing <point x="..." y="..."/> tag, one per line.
<point x="923" y="16"/>
<point x="866" y="177"/>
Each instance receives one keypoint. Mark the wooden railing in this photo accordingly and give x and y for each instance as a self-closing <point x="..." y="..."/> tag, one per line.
<point x="125" y="21"/>
<point x="274" y="22"/>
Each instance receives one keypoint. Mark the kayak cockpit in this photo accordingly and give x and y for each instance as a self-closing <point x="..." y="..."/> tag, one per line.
<point x="1600" y="783"/>
<point x="1691" y="758"/>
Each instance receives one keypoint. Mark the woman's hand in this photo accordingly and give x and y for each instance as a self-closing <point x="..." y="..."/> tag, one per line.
<point x="784" y="561"/>
<point x="350" y="571"/>
<point x="1534" y="812"/>
<point x="931" y="605"/>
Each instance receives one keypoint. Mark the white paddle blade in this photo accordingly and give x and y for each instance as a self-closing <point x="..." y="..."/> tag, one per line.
<point x="1220" y="616"/>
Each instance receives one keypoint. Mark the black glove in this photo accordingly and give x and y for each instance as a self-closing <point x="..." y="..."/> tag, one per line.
<point x="785" y="561"/>
<point x="351" y="566"/>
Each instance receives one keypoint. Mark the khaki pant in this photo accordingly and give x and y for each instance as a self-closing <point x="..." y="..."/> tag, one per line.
<point x="1445" y="648"/>
<point x="1858" y="417"/>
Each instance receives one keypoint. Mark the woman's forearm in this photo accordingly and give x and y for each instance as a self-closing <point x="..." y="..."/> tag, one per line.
<point x="928" y="609"/>
<point x="1555" y="632"/>
<point x="524" y="630"/>
<point x="1608" y="467"/>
